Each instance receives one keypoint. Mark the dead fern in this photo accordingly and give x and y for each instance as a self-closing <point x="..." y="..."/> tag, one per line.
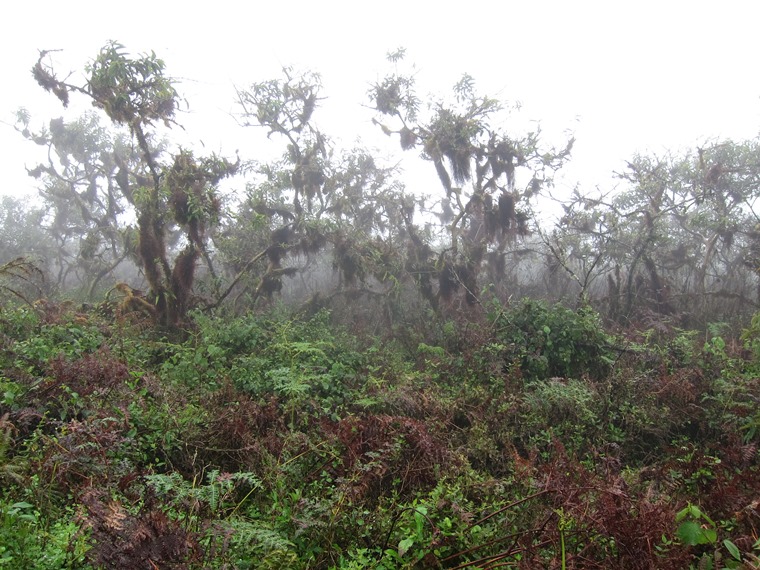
<point x="384" y="451"/>
<point x="146" y="539"/>
<point x="11" y="467"/>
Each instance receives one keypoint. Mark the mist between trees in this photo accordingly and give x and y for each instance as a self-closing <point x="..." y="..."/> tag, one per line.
<point x="130" y="217"/>
<point x="325" y="369"/>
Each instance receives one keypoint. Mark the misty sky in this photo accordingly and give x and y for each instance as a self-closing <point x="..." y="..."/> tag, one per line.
<point x="622" y="76"/>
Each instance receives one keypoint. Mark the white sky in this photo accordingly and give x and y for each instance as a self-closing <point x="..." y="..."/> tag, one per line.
<point x="624" y="76"/>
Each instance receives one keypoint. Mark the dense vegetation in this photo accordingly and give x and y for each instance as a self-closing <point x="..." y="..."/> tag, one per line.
<point x="334" y="372"/>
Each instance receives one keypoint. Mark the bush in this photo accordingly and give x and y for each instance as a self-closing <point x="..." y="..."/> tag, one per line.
<point x="568" y="411"/>
<point x="28" y="541"/>
<point x="553" y="341"/>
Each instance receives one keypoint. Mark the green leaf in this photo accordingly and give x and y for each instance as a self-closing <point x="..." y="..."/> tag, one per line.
<point x="733" y="549"/>
<point x="419" y="519"/>
<point x="692" y="534"/>
<point x="405" y="545"/>
<point x="710" y="535"/>
<point x="680" y="515"/>
<point x="689" y="510"/>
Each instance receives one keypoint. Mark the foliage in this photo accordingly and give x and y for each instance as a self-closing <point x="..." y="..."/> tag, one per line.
<point x="488" y="177"/>
<point x="314" y="206"/>
<point x="677" y="242"/>
<point x="179" y="194"/>
<point x="262" y="441"/>
<point x="566" y="410"/>
<point x="386" y="411"/>
<point x="84" y="238"/>
<point x="131" y="92"/>
<point x="70" y="338"/>
<point x="696" y="527"/>
<point x="310" y="371"/>
<point x="553" y="341"/>
<point x="27" y="540"/>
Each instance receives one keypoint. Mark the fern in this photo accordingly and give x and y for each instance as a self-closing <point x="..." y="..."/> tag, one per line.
<point x="257" y="535"/>
<point x="11" y="468"/>
<point x="163" y="485"/>
<point x="251" y="544"/>
<point x="212" y="490"/>
<point x="216" y="495"/>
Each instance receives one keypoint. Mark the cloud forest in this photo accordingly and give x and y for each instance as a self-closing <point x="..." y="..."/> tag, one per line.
<point x="218" y="361"/>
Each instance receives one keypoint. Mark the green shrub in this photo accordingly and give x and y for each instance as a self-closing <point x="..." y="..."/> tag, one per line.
<point x="566" y="410"/>
<point x="70" y="339"/>
<point x="28" y="541"/>
<point x="553" y="341"/>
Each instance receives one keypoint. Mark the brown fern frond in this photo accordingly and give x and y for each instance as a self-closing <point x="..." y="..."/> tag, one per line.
<point x="132" y="302"/>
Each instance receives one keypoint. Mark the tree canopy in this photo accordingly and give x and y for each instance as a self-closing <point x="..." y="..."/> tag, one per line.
<point x="322" y="223"/>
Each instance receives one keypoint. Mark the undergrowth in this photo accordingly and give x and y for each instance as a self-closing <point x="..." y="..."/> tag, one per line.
<point x="534" y="440"/>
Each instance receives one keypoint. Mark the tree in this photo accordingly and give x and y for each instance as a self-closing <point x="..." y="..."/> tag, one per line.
<point x="25" y="249"/>
<point x="487" y="176"/>
<point x="78" y="186"/>
<point x="680" y="240"/>
<point x="178" y="191"/>
<point x="22" y="233"/>
<point x="313" y="200"/>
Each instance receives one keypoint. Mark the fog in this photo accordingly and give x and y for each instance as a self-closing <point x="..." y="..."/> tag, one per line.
<point x="622" y="77"/>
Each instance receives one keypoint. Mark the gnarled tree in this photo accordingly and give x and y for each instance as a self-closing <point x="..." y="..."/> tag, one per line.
<point x="487" y="177"/>
<point x="679" y="241"/>
<point x="313" y="200"/>
<point x="78" y="186"/>
<point x="165" y="194"/>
